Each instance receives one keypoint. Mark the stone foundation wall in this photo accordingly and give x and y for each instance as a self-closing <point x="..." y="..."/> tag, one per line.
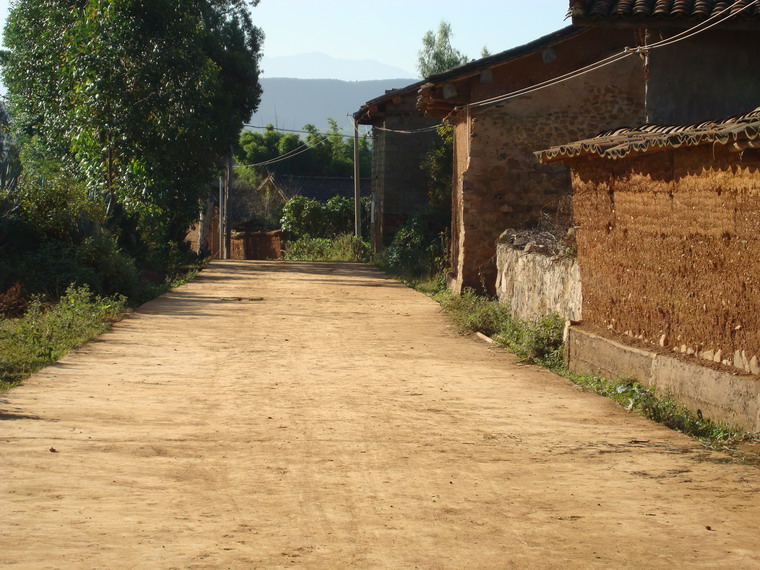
<point x="720" y="395"/>
<point x="535" y="285"/>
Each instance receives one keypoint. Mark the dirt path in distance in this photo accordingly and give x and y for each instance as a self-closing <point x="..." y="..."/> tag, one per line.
<point x="279" y="414"/>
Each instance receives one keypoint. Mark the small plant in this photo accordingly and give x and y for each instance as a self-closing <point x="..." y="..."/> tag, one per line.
<point x="345" y="247"/>
<point x="539" y="341"/>
<point x="644" y="400"/>
<point x="45" y="333"/>
<point x="417" y="252"/>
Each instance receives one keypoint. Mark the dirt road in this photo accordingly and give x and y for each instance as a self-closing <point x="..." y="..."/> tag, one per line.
<point x="320" y="415"/>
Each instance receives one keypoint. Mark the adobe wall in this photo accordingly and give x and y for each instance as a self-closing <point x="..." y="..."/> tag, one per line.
<point x="500" y="183"/>
<point x="669" y="248"/>
<point x="398" y="182"/>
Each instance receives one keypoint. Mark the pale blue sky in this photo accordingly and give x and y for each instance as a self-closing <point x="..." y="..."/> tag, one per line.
<point x="390" y="31"/>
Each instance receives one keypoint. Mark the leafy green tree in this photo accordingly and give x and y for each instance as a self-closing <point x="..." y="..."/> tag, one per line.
<point x="139" y="100"/>
<point x="437" y="55"/>
<point x="329" y="154"/>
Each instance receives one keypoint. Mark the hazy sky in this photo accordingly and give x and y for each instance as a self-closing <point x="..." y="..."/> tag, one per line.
<point x="390" y="31"/>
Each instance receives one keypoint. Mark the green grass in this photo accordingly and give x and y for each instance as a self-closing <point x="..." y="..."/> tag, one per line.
<point x="345" y="247"/>
<point x="48" y="331"/>
<point x="45" y="333"/>
<point x="541" y="342"/>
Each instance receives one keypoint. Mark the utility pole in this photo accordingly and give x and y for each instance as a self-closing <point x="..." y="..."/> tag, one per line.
<point x="220" y="219"/>
<point x="357" y="184"/>
<point x="227" y="187"/>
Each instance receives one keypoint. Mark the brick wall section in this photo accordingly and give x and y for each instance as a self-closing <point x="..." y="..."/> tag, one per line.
<point x="669" y="246"/>
<point x="398" y="183"/>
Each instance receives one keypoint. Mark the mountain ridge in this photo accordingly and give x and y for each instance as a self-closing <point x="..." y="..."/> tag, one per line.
<point x="317" y="65"/>
<point x="291" y="103"/>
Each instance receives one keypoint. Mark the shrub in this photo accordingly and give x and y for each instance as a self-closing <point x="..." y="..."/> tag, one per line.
<point x="417" y="251"/>
<point x="307" y="249"/>
<point x="45" y="333"/>
<point x="303" y="217"/>
<point x="345" y="247"/>
<point x="540" y="341"/>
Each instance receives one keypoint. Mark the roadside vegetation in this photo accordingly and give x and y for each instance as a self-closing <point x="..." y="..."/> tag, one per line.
<point x="118" y="120"/>
<point x="47" y="332"/>
<point x="324" y="231"/>
<point x="541" y="343"/>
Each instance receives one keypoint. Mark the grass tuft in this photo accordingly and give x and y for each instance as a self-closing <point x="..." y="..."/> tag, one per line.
<point x="45" y="333"/>
<point x="345" y="247"/>
<point x="541" y="342"/>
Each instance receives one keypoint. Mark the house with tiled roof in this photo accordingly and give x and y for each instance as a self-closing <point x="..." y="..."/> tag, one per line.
<point x="667" y="223"/>
<point x="626" y="62"/>
<point x="497" y="182"/>
<point x="401" y="137"/>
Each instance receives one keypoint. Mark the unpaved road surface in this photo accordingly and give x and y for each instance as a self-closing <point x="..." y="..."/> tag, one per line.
<point x="275" y="414"/>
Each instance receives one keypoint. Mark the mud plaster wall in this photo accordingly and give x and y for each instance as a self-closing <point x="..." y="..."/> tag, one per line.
<point x="501" y="184"/>
<point x="398" y="182"/>
<point x="669" y="249"/>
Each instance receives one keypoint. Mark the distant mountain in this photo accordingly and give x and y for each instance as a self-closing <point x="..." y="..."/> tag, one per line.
<point x="320" y="66"/>
<point x="292" y="103"/>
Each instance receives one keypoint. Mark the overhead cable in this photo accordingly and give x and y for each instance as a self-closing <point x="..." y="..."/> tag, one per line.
<point x="711" y="22"/>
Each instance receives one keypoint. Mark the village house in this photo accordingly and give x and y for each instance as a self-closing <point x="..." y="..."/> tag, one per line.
<point x="668" y="235"/>
<point x="508" y="105"/>
<point x="401" y="137"/>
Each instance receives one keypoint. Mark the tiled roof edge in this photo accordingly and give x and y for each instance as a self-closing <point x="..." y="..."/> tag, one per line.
<point x="648" y="138"/>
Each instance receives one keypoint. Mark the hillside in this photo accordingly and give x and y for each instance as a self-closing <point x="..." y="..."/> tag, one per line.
<point x="291" y="103"/>
<point x="317" y="65"/>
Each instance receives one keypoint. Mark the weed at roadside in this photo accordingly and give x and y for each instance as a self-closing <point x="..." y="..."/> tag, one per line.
<point x="345" y="247"/>
<point x="44" y="334"/>
<point x="541" y="342"/>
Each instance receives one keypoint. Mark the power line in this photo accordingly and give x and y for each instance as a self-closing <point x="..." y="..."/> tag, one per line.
<point x="288" y="155"/>
<point x="271" y="128"/>
<point x="718" y="18"/>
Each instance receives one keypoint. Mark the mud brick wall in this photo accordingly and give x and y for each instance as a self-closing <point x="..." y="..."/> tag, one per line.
<point x="257" y="245"/>
<point x="669" y="249"/>
<point x="398" y="182"/>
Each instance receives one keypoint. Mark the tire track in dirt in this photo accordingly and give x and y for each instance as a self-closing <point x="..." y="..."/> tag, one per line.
<point x="278" y="414"/>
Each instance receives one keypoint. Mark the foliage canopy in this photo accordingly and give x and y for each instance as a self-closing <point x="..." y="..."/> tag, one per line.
<point x="330" y="154"/>
<point x="437" y="54"/>
<point x="139" y="100"/>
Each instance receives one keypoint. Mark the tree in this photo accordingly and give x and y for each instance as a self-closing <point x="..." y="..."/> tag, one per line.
<point x="329" y="154"/>
<point x="437" y="55"/>
<point x="139" y="99"/>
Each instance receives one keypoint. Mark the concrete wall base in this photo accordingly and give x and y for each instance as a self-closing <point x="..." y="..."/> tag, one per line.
<point x="728" y="397"/>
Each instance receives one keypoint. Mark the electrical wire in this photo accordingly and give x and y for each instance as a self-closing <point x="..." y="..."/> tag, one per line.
<point x="279" y="130"/>
<point x="711" y="22"/>
<point x="288" y="155"/>
<point x="409" y="132"/>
